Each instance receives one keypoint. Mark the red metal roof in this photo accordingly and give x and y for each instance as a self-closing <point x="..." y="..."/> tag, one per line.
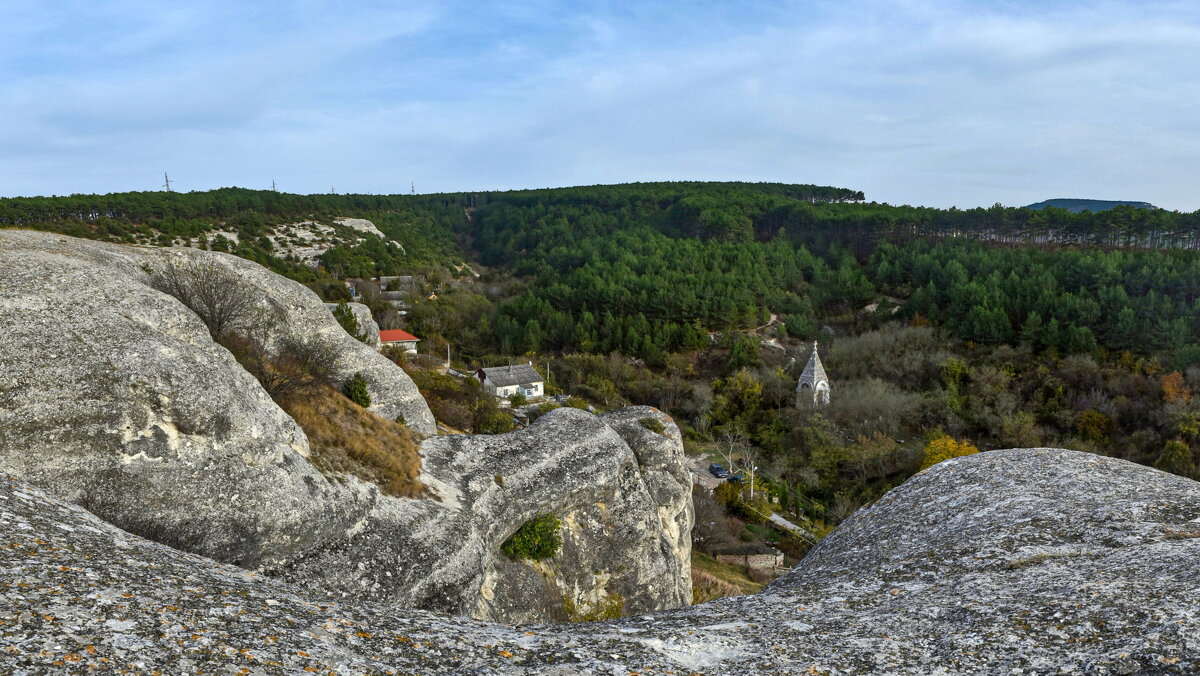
<point x="396" y="336"/>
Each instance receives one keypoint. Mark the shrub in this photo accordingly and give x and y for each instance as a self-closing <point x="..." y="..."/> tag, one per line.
<point x="345" y="316"/>
<point x="518" y="400"/>
<point x="296" y="367"/>
<point x="653" y="424"/>
<point x="493" y="421"/>
<point x="355" y="388"/>
<point x="944" y="448"/>
<point x="222" y="301"/>
<point x="1176" y="458"/>
<point x="537" y="539"/>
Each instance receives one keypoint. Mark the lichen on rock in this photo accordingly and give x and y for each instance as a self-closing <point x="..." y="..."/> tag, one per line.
<point x="944" y="574"/>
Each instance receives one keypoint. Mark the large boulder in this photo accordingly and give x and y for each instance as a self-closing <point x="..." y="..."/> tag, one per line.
<point x="1018" y="561"/>
<point x="114" y="396"/>
<point x="626" y="526"/>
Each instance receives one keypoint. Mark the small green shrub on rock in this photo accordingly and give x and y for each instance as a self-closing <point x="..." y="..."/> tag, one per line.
<point x="355" y="389"/>
<point x="345" y="317"/>
<point x="538" y="539"/>
<point x="653" y="424"/>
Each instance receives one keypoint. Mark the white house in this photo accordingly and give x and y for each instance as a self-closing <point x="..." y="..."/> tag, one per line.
<point x="505" y="381"/>
<point x="400" y="338"/>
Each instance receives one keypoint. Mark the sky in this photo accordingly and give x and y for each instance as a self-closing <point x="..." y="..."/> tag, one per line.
<point x="938" y="103"/>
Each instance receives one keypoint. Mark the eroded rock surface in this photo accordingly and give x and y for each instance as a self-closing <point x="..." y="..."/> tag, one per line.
<point x="1020" y="561"/>
<point x="113" y="396"/>
<point x="445" y="553"/>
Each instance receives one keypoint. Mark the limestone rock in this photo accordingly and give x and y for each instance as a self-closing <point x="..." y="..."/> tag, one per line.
<point x="619" y="538"/>
<point x="1019" y="561"/>
<point x="113" y="396"/>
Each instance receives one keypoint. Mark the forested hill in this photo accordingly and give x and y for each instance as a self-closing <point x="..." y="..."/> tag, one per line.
<point x="731" y="211"/>
<point x="1078" y="205"/>
<point x="1017" y="327"/>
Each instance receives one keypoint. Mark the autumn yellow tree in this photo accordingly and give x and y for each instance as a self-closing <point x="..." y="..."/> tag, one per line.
<point x="1174" y="389"/>
<point x="944" y="448"/>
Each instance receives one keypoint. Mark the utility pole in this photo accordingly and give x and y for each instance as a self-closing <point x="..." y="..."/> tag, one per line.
<point x="167" y="182"/>
<point x="447" y="356"/>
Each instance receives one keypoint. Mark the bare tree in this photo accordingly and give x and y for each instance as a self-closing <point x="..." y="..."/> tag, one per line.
<point x="222" y="301"/>
<point x="732" y="441"/>
<point x="739" y="454"/>
<point x="292" y="367"/>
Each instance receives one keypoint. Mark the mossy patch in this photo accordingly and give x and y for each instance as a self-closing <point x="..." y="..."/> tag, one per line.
<point x="537" y="539"/>
<point x="653" y="424"/>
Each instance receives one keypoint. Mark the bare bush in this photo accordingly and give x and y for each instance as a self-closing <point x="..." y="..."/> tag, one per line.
<point x="292" y="367"/>
<point x="903" y="355"/>
<point x="222" y="301"/>
<point x="872" y="405"/>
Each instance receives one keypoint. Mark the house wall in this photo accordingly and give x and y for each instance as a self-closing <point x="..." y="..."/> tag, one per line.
<point x="753" y="561"/>
<point x="406" y="345"/>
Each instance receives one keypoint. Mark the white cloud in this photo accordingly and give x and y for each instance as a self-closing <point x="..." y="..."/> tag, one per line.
<point x="921" y="102"/>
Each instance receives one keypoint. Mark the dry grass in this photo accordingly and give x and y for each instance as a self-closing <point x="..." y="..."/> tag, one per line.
<point x="712" y="580"/>
<point x="347" y="439"/>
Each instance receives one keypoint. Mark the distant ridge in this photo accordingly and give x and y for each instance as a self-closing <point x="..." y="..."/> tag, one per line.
<point x="1076" y="206"/>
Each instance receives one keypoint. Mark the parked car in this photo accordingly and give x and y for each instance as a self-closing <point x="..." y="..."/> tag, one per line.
<point x="736" y="478"/>
<point x="718" y="470"/>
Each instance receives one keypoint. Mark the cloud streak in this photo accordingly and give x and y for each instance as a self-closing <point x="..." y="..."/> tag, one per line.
<point x="939" y="103"/>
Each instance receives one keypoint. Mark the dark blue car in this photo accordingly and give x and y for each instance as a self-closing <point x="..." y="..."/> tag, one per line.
<point x="736" y="478"/>
<point x="718" y="470"/>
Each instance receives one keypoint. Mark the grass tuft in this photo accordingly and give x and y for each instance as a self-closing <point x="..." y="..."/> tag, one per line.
<point x="347" y="439"/>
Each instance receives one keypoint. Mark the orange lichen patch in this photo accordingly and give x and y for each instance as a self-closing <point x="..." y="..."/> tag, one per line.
<point x="347" y="439"/>
<point x="505" y="653"/>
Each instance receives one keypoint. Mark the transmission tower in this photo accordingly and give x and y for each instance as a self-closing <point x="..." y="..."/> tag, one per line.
<point x="167" y="182"/>
<point x="273" y="186"/>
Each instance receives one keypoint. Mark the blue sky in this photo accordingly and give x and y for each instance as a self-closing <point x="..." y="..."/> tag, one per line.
<point x="914" y="102"/>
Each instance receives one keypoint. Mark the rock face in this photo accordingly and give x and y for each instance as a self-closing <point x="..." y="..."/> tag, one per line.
<point x="113" y="396"/>
<point x="1020" y="561"/>
<point x="627" y="531"/>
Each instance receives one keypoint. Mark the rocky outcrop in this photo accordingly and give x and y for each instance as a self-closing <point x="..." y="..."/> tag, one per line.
<point x="445" y="553"/>
<point x="1020" y="561"/>
<point x="91" y="306"/>
<point x="114" y="396"/>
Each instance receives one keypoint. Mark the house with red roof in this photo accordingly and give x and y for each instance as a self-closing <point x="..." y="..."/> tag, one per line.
<point x="399" y="338"/>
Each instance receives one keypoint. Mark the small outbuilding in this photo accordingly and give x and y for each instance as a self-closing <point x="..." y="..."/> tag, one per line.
<point x="399" y="338"/>
<point x="505" y="381"/>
